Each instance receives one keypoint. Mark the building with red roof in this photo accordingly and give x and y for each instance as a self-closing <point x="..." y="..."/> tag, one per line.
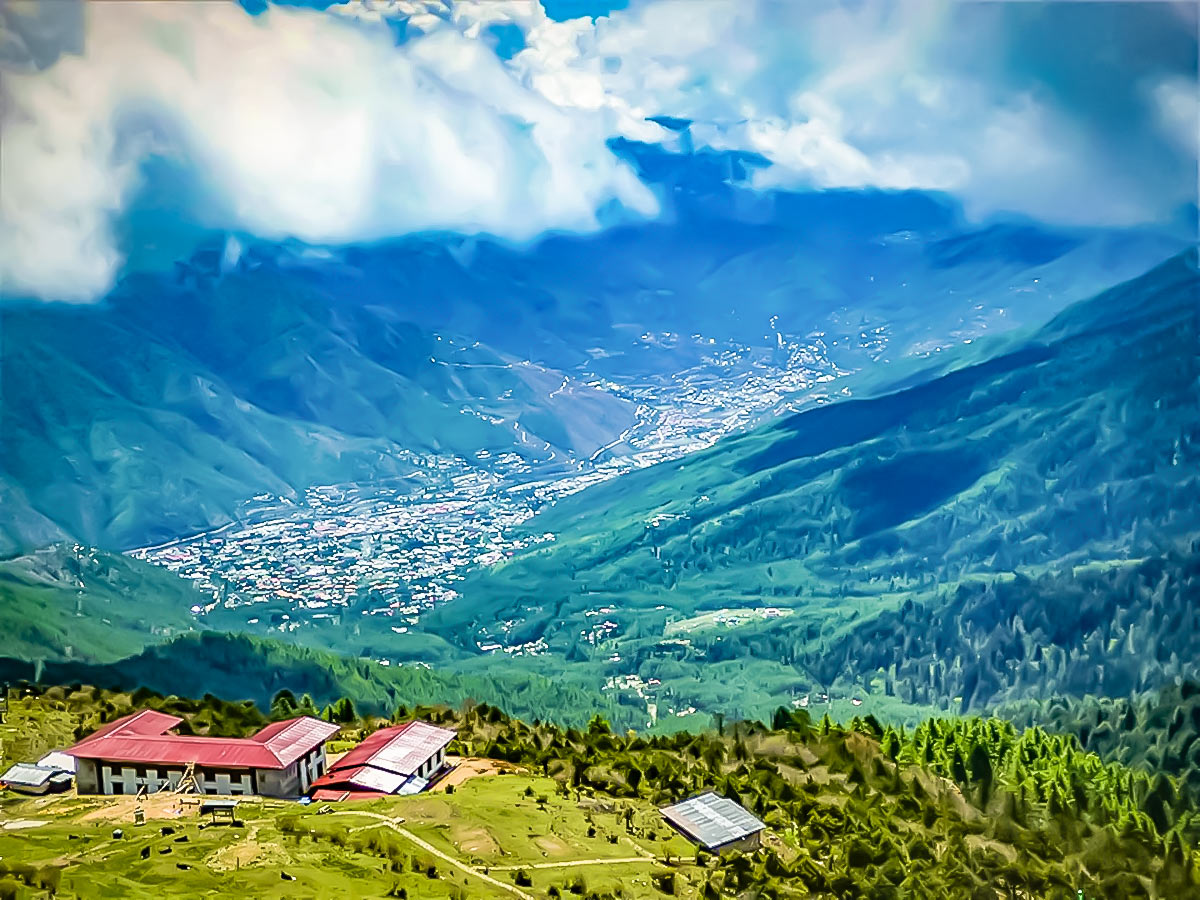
<point x="142" y="751"/>
<point x="401" y="759"/>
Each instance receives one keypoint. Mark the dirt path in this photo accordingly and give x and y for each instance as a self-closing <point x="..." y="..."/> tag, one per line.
<point x="434" y="851"/>
<point x="569" y="864"/>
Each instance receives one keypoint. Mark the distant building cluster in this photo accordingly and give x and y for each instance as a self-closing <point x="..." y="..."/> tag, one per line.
<point x="395" y="552"/>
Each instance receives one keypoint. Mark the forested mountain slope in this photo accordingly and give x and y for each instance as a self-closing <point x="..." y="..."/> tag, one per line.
<point x="79" y="603"/>
<point x="256" y="669"/>
<point x="157" y="413"/>
<point x="1080" y="447"/>
<point x="1159" y="732"/>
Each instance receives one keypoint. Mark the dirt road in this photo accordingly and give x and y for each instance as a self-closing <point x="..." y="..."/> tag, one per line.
<point x="434" y="851"/>
<point x="569" y="864"/>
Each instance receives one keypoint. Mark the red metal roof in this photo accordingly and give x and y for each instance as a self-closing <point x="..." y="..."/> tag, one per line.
<point x="148" y="721"/>
<point x="336" y="795"/>
<point x="142" y="738"/>
<point x="400" y="749"/>
<point x="290" y="740"/>
<point x="363" y="778"/>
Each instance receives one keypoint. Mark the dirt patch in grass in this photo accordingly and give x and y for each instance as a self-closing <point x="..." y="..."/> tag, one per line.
<point x="246" y="853"/>
<point x="476" y="841"/>
<point x="471" y="767"/>
<point x="551" y="845"/>
<point x="156" y="806"/>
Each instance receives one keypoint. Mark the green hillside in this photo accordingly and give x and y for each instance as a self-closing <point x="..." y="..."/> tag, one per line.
<point x="257" y="669"/>
<point x="970" y="808"/>
<point x="160" y="411"/>
<point x="1159" y="732"/>
<point x="1117" y="630"/>
<point x="1074" y="451"/>
<point x="73" y="602"/>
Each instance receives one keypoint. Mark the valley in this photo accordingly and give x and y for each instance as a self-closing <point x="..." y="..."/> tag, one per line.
<point x="395" y="550"/>
<point x="600" y="449"/>
<point x="954" y="808"/>
<point x="716" y="565"/>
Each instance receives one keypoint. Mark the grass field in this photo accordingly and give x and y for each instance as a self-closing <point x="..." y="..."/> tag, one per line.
<point x="957" y="808"/>
<point x="479" y="841"/>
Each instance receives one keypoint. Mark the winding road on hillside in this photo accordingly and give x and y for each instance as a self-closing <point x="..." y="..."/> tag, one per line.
<point x="394" y="825"/>
<point x="434" y="851"/>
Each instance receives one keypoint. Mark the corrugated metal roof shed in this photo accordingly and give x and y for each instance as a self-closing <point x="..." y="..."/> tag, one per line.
<point x="387" y="761"/>
<point x="712" y="821"/>
<point x="56" y="759"/>
<point x="28" y="775"/>
<point x="366" y="778"/>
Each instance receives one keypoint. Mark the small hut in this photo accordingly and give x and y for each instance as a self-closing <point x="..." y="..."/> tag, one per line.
<point x="715" y="823"/>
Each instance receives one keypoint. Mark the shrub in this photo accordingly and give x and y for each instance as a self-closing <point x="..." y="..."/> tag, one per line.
<point x="665" y="882"/>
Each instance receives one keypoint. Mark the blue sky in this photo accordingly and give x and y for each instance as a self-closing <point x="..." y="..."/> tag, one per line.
<point x="369" y="120"/>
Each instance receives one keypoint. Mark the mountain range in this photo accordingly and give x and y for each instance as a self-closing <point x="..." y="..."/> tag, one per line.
<point x="1062" y="466"/>
<point x="255" y="368"/>
<point x="911" y="543"/>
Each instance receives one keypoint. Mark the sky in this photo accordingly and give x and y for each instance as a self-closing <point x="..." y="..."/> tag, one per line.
<point x="341" y="123"/>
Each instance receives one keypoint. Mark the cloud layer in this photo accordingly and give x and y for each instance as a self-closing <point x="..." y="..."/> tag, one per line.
<point x="297" y="124"/>
<point x="915" y="94"/>
<point x="323" y="126"/>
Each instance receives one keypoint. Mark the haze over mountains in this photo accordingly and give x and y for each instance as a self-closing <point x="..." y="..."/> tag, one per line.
<point x="797" y="402"/>
<point x="928" y="546"/>
<point x="254" y="368"/>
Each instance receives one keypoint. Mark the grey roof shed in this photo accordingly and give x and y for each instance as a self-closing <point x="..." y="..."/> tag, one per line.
<point x="712" y="821"/>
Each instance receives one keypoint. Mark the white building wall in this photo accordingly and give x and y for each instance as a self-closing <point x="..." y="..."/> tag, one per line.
<point x="224" y="783"/>
<point x="100" y="777"/>
<point x="118" y="778"/>
<point x="280" y="782"/>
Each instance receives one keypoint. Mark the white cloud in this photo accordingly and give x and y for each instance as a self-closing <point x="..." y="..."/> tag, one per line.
<point x="315" y="125"/>
<point x="1177" y="101"/>
<point x="299" y="124"/>
<point x="906" y="94"/>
